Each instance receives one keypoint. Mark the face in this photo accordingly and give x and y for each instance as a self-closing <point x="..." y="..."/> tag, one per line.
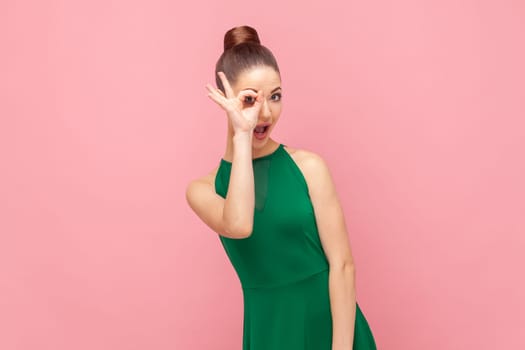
<point x="263" y="78"/>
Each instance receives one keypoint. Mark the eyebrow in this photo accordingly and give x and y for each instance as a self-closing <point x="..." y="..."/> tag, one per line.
<point x="274" y="90"/>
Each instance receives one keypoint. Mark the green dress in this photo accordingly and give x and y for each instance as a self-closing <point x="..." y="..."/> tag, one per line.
<point x="282" y="267"/>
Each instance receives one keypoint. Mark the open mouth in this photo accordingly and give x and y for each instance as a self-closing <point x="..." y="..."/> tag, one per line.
<point x="261" y="129"/>
<point x="260" y="132"/>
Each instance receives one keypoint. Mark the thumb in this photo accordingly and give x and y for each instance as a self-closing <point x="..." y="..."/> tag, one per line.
<point x="260" y="96"/>
<point x="259" y="101"/>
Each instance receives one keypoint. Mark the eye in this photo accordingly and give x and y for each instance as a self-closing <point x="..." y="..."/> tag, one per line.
<point x="276" y="96"/>
<point x="249" y="99"/>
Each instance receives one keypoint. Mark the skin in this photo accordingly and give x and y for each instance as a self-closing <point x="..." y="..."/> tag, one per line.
<point x="259" y="86"/>
<point x="262" y="84"/>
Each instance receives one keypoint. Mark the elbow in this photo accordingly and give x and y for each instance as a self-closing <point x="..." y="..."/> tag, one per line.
<point x="244" y="232"/>
<point x="344" y="265"/>
<point x="239" y="232"/>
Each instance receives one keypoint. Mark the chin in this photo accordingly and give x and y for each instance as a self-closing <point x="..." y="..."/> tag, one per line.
<point x="260" y="143"/>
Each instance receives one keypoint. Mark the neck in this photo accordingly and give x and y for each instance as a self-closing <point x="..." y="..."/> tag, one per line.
<point x="269" y="146"/>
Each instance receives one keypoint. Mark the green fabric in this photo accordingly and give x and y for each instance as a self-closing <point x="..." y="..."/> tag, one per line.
<point x="282" y="267"/>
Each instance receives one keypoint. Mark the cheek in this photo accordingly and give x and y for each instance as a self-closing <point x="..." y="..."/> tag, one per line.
<point x="276" y="110"/>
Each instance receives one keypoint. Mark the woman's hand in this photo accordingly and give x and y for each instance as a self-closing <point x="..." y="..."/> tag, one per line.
<point x="243" y="109"/>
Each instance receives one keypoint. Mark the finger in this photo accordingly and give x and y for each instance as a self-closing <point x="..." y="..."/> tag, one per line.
<point x="216" y="95"/>
<point x="227" y="87"/>
<point x="215" y="91"/>
<point x="216" y="100"/>
<point x="259" y="101"/>
<point x="247" y="97"/>
<point x="260" y="96"/>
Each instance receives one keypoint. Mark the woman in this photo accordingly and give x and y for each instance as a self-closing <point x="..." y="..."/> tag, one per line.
<point x="278" y="217"/>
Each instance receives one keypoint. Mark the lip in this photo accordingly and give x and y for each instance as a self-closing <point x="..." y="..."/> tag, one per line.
<point x="265" y="134"/>
<point x="263" y="124"/>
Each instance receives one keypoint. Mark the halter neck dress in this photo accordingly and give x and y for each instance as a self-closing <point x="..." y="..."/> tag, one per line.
<point x="281" y="266"/>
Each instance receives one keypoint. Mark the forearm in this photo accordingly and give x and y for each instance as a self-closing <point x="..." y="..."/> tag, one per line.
<point x="343" y="305"/>
<point x="240" y="199"/>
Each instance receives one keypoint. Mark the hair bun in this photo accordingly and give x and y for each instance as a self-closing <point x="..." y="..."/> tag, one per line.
<point x="240" y="35"/>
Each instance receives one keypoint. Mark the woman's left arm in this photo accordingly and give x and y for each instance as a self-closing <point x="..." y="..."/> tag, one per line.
<point x="334" y="238"/>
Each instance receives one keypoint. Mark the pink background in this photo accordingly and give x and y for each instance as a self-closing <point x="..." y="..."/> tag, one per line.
<point x="417" y="106"/>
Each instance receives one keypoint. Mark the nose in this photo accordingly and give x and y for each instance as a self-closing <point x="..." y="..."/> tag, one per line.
<point x="265" y="113"/>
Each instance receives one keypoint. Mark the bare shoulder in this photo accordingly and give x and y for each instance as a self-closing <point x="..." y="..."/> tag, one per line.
<point x="310" y="163"/>
<point x="208" y="178"/>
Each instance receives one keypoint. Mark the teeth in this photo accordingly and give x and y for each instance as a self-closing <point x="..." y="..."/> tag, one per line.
<point x="260" y="129"/>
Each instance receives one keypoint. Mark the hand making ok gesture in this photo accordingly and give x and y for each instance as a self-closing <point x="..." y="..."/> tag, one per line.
<point x="243" y="109"/>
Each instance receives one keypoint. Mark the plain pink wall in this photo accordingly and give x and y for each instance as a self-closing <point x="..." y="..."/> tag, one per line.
<point x="417" y="106"/>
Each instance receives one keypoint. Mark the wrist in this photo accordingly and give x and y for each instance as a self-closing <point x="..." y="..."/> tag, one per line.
<point x="242" y="137"/>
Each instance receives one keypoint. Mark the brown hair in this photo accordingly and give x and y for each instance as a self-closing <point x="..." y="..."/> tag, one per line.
<point x="242" y="50"/>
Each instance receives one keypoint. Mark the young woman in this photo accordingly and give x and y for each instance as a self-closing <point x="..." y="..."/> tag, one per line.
<point x="278" y="216"/>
